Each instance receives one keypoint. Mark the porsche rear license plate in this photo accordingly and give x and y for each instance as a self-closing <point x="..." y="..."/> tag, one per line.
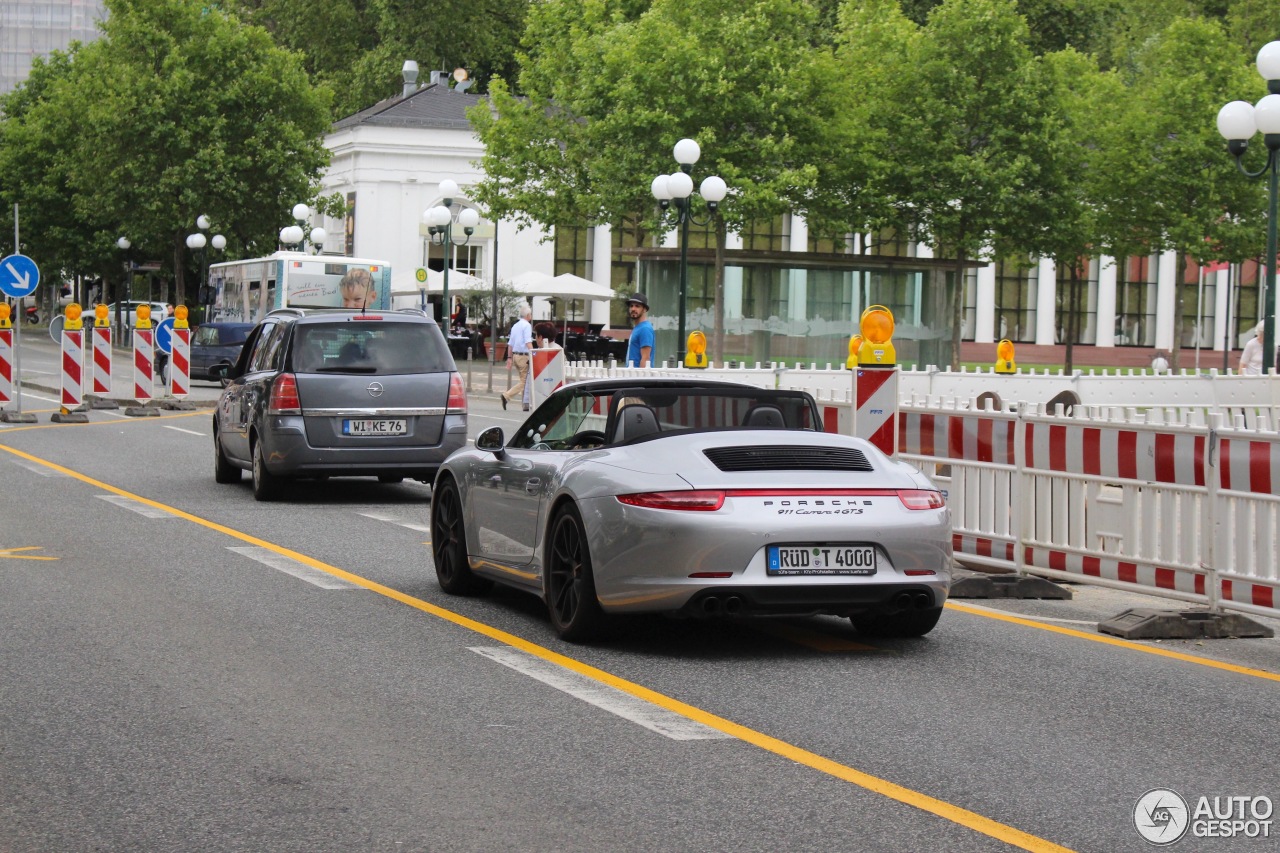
<point x="821" y="560"/>
<point x="370" y="426"/>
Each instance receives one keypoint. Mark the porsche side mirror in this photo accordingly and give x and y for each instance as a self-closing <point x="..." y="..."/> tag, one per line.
<point x="492" y="440"/>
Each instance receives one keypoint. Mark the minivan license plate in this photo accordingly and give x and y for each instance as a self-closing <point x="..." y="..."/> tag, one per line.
<point x="369" y="426"/>
<point x="821" y="560"/>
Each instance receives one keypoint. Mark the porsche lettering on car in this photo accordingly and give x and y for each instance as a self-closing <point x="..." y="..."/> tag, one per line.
<point x="692" y="497"/>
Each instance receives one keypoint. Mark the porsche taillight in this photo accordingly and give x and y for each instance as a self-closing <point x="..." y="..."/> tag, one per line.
<point x="921" y="499"/>
<point x="457" y="404"/>
<point x="693" y="500"/>
<point x="284" y="396"/>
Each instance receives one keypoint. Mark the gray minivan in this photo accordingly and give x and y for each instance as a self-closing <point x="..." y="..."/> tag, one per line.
<point x="320" y="393"/>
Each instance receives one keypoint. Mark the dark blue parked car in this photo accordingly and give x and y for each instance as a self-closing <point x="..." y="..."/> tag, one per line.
<point x="215" y="344"/>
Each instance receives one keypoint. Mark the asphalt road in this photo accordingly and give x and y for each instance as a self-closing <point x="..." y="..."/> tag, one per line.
<point x="186" y="669"/>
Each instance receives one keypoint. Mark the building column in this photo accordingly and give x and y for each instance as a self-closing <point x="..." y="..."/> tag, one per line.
<point x="1166" y="299"/>
<point x="1046" y="303"/>
<point x="798" y="280"/>
<point x="1106" y="315"/>
<point x="984" y="328"/>
<point x="732" y="282"/>
<point x="601" y="271"/>
<point x="1221" y="309"/>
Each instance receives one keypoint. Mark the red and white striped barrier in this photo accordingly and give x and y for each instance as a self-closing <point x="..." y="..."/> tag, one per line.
<point x="180" y="363"/>
<point x="72" y="368"/>
<point x="546" y="373"/>
<point x="101" y="353"/>
<point x="1165" y="506"/>
<point x="875" y="410"/>
<point x="144" y="351"/>
<point x="6" y="366"/>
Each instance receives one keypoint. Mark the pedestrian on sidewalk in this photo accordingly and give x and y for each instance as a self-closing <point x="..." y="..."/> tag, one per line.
<point x="640" y="346"/>
<point x="518" y="343"/>
<point x="1251" y="356"/>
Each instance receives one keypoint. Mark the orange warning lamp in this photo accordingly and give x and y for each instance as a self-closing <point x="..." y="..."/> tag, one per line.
<point x="100" y="316"/>
<point x="73" y="322"/>
<point x="180" y="317"/>
<point x="1004" y="357"/>
<point x="877" y="338"/>
<point x="144" y="316"/>
<point x="855" y="344"/>
<point x="696" y="356"/>
<point x="5" y="311"/>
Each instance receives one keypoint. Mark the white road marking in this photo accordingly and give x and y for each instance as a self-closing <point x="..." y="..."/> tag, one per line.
<point x="289" y="566"/>
<point x="133" y="506"/>
<point x="395" y="519"/>
<point x="187" y="431"/>
<point x="37" y="469"/>
<point x="603" y="696"/>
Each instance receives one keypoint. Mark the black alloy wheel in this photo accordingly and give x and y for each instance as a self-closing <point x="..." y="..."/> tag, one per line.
<point x="575" y="611"/>
<point x="449" y="543"/>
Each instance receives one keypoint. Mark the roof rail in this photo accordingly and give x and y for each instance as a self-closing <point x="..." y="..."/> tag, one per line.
<point x="287" y="310"/>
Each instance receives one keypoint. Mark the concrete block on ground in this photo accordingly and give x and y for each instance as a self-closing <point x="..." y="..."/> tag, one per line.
<point x="1145" y="624"/>
<point x="1008" y="586"/>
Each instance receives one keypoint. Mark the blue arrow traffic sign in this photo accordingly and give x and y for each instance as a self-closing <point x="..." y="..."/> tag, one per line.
<point x="19" y="276"/>
<point x="164" y="335"/>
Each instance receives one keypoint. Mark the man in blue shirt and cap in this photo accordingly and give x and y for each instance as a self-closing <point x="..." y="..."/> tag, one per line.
<point x="640" y="348"/>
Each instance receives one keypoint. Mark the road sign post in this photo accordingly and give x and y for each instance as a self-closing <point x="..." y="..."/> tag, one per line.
<point x="19" y="277"/>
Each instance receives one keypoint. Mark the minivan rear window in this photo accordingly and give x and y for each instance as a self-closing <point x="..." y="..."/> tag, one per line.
<point x="370" y="348"/>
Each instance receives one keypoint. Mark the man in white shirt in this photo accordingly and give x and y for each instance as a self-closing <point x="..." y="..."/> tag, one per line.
<point x="518" y="344"/>
<point x="1251" y="357"/>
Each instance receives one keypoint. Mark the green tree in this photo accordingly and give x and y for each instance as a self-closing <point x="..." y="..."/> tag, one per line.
<point x="1084" y="101"/>
<point x="967" y="120"/>
<point x="357" y="47"/>
<point x="1173" y="186"/>
<point x="609" y="90"/>
<point x="179" y="110"/>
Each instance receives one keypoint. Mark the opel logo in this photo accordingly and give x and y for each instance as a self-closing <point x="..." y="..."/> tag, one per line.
<point x="374" y="389"/>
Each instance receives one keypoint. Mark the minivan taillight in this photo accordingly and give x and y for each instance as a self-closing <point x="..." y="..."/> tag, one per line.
<point x="457" y="404"/>
<point x="284" y="396"/>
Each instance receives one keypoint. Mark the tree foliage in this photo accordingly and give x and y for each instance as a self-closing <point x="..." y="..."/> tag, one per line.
<point x="609" y="87"/>
<point x="178" y="110"/>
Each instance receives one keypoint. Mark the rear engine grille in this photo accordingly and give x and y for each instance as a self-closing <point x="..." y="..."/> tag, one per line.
<point x="783" y="458"/>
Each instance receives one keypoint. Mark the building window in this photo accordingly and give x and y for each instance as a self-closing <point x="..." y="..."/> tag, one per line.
<point x="1136" y="302"/>
<point x="1199" y="291"/>
<point x="1015" y="303"/>
<point x="1076" y="310"/>
<point x="767" y="235"/>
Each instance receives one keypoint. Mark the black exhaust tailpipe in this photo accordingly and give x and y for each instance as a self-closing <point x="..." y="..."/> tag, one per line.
<point x="710" y="605"/>
<point x="733" y="605"/>
<point x="923" y="600"/>
<point x="902" y="601"/>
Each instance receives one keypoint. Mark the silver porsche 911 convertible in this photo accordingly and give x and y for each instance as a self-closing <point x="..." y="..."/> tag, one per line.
<point x="697" y="498"/>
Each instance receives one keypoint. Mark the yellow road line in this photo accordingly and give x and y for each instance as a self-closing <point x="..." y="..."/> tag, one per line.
<point x="11" y="553"/>
<point x="1114" y="641"/>
<point x="947" y="811"/>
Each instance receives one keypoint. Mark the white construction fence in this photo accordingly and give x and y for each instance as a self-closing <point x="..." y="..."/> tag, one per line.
<point x="1167" y="485"/>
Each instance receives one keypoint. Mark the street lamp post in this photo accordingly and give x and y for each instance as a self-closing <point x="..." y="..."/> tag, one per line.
<point x="300" y="234"/>
<point x="124" y="244"/>
<point x="439" y="222"/>
<point x="677" y="188"/>
<point x="198" y="242"/>
<point x="1237" y="122"/>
